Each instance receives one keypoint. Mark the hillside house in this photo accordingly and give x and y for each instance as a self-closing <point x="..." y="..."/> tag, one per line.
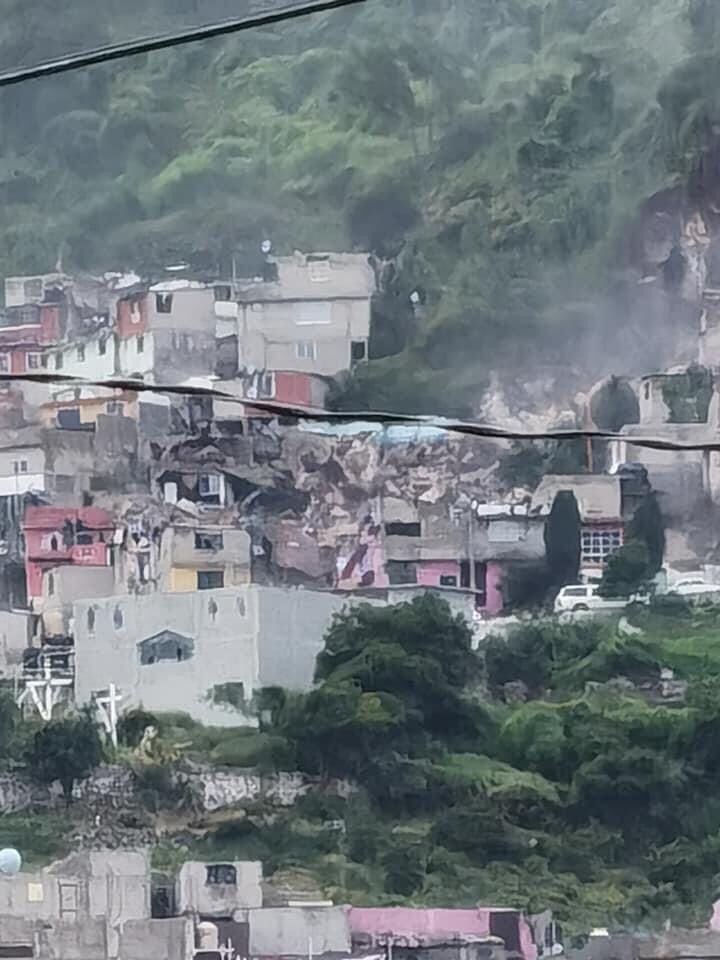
<point x="309" y="313"/>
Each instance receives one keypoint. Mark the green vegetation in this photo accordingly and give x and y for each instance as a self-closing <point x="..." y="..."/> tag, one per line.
<point x="595" y="800"/>
<point x="588" y="793"/>
<point x="562" y="539"/>
<point x="66" y="750"/>
<point x="687" y="395"/>
<point x="496" y="150"/>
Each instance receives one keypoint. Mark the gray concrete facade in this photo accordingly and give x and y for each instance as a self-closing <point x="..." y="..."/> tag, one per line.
<point x="219" y="889"/>
<point x="171" y="651"/>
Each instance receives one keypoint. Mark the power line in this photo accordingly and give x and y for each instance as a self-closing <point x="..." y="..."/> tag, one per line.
<point x="119" y="51"/>
<point x="293" y="411"/>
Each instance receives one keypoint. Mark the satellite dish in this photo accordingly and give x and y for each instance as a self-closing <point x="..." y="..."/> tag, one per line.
<point x="10" y="862"/>
<point x="266" y="246"/>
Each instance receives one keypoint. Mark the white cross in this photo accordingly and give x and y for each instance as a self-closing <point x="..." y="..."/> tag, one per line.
<point x="45" y="693"/>
<point x="107" y="705"/>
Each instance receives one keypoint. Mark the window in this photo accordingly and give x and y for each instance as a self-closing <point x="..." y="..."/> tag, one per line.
<point x="479" y="572"/>
<point x="68" y="901"/>
<point x="305" y="350"/>
<point x="402" y="529"/>
<point x="140" y="344"/>
<point x="20" y="466"/>
<point x="33" y="290"/>
<point x="91" y="620"/>
<point x="209" y="486"/>
<point x="33" y="361"/>
<point x="221" y="873"/>
<point x="44" y="360"/>
<point x="51" y="584"/>
<point x="597" y="545"/>
<point x="575" y="591"/>
<point x="504" y="531"/>
<point x="446" y="580"/>
<point x="80" y="352"/>
<point x="208" y="541"/>
<point x="118" y="619"/>
<point x="102" y="347"/>
<point x="210" y="579"/>
<point x="163" y="302"/>
<point x="358" y="350"/>
<point x="134" y="311"/>
<point x="167" y="646"/>
<point x="4" y="362"/>
<point x="401" y="572"/>
<point x="646" y="390"/>
<point x="58" y="360"/>
<point x="54" y="543"/>
<point x="115" y="407"/>
<point x="223" y="292"/>
<point x="314" y="313"/>
<point x="319" y="269"/>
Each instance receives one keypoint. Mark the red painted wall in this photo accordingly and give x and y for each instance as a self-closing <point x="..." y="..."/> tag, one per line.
<point x="125" y="325"/>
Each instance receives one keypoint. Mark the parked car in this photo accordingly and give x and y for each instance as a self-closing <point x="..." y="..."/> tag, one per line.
<point x="581" y="597"/>
<point x="695" y="587"/>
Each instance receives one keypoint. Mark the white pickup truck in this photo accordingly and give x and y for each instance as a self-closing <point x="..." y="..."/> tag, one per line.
<point x="582" y="597"/>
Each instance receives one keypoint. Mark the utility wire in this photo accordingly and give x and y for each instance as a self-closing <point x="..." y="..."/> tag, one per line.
<point x="119" y="51"/>
<point x="295" y="412"/>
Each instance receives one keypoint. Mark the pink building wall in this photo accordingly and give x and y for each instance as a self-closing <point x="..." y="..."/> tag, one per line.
<point x="493" y="589"/>
<point x="418" y="926"/>
<point x="430" y="571"/>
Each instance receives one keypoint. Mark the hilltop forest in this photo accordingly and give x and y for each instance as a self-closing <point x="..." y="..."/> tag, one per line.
<point x="492" y="152"/>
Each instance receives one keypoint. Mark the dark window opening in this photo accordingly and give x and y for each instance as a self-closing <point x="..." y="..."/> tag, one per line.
<point x="140" y="344"/>
<point x="84" y="539"/>
<point x="53" y="543"/>
<point x="102" y="348"/>
<point x="401" y="572"/>
<point x="58" y="360"/>
<point x="358" y="350"/>
<point x="166" y="646"/>
<point x="402" y="529"/>
<point x="223" y="292"/>
<point x="163" y="302"/>
<point x="210" y="579"/>
<point x="222" y="873"/>
<point x="117" y="618"/>
<point x="81" y="352"/>
<point x="446" y="580"/>
<point x="208" y="541"/>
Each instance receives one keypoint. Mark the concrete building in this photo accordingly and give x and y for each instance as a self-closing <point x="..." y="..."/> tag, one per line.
<point x="602" y="514"/>
<point x="56" y="536"/>
<point x="293" y="931"/>
<point x="205" y="557"/>
<point x="89" y="906"/>
<point x="506" y="933"/>
<point x="309" y="313"/>
<point x="219" y="889"/>
<point x="203" y="652"/>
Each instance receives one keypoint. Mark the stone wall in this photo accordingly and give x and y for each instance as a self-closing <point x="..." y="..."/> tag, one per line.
<point x="216" y="789"/>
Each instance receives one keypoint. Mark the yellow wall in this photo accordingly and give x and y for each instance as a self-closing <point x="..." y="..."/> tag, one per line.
<point x="183" y="580"/>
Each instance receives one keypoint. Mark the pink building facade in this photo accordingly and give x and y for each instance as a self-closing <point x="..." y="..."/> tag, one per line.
<point x="56" y="536"/>
<point x="378" y="926"/>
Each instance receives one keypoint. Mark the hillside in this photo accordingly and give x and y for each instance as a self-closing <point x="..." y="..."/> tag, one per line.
<point x="557" y="768"/>
<point x="495" y="152"/>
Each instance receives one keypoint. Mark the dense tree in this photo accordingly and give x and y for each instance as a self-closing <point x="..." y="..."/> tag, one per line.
<point x="562" y="538"/>
<point x="66" y="750"/>
<point x="615" y="405"/>
<point x="626" y="570"/>
<point x="648" y="526"/>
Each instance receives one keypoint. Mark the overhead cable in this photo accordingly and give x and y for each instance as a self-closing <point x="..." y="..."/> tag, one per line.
<point x="296" y="412"/>
<point x="131" y="48"/>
